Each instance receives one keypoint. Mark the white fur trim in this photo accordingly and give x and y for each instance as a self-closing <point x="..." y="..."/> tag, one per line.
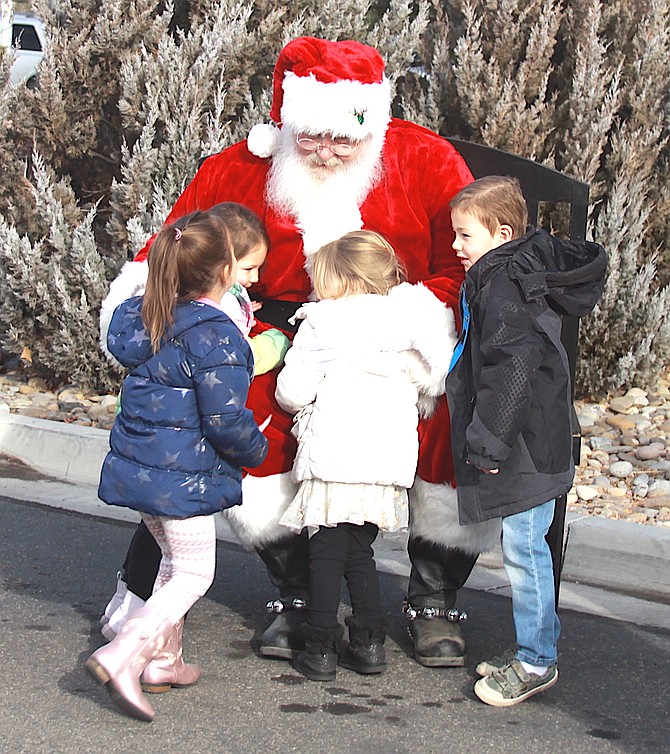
<point x="131" y="281"/>
<point x="439" y="328"/>
<point x="263" y="140"/>
<point x="315" y="107"/>
<point x="256" y="521"/>
<point x="432" y="334"/>
<point x="434" y="517"/>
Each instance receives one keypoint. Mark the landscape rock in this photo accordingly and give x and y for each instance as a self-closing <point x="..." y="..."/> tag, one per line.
<point x="624" y="471"/>
<point x="621" y="469"/>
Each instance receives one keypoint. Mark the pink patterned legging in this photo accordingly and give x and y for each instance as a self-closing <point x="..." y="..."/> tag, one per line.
<point x="186" y="572"/>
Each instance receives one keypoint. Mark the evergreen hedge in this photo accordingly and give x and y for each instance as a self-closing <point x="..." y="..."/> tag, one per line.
<point x="132" y="93"/>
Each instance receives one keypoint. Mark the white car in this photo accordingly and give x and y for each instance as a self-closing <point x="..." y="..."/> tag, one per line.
<point x="28" y="40"/>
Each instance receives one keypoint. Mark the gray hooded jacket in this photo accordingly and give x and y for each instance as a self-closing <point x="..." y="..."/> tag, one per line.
<point x="509" y="391"/>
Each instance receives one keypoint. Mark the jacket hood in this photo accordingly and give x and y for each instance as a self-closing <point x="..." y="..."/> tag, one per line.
<point x="127" y="337"/>
<point x="409" y="317"/>
<point x="569" y="274"/>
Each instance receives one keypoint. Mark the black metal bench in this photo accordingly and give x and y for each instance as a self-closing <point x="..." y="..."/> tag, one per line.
<point x="541" y="184"/>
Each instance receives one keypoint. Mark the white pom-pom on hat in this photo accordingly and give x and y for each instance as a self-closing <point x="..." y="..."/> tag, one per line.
<point x="263" y="140"/>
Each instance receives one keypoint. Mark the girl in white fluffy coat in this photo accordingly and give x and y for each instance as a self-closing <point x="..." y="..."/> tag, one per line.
<point x="368" y="358"/>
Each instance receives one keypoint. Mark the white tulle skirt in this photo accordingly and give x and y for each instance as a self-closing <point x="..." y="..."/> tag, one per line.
<point x="319" y="503"/>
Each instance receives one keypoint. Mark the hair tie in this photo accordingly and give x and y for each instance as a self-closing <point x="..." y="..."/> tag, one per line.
<point x="177" y="234"/>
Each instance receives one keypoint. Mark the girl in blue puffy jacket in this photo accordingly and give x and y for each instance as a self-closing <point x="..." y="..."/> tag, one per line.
<point x="178" y="445"/>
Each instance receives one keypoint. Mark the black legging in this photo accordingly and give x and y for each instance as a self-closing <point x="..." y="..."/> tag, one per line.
<point x="334" y="552"/>
<point x="141" y="564"/>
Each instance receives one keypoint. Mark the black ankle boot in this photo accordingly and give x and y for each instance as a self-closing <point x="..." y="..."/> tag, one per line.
<point x="318" y="661"/>
<point x="365" y="651"/>
<point x="283" y="638"/>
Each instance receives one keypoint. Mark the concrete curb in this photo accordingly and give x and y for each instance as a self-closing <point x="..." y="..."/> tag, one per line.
<point x="69" y="452"/>
<point x="620" y="556"/>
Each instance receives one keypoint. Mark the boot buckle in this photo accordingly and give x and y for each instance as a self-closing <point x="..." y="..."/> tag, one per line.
<point x="411" y="613"/>
<point x="278" y="606"/>
<point x="453" y="615"/>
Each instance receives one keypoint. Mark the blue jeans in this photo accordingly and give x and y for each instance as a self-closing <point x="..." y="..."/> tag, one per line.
<point x="529" y="568"/>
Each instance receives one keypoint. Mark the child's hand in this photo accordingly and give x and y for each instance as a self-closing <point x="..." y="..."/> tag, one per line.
<point x="263" y="426"/>
<point x="486" y="471"/>
<point x="256" y="305"/>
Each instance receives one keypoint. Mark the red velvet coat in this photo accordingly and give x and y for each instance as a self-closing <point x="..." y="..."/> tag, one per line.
<point x="409" y="207"/>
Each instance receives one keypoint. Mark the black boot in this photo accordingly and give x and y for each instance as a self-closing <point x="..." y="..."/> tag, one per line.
<point x="365" y="651"/>
<point x="283" y="639"/>
<point x="318" y="661"/>
<point x="437" y="636"/>
<point x="437" y="575"/>
<point x="287" y="562"/>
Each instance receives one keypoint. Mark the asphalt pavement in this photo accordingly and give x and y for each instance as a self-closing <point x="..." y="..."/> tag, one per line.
<point x="59" y="555"/>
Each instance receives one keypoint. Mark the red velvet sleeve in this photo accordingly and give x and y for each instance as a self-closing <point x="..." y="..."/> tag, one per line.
<point x="447" y="271"/>
<point x="444" y="173"/>
<point x="431" y="173"/>
<point x="410" y="206"/>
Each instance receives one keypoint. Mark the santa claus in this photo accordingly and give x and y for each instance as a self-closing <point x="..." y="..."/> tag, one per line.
<point x="333" y="161"/>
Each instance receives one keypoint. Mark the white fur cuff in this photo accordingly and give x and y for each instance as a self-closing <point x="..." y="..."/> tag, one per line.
<point x="131" y="281"/>
<point x="434" y="517"/>
<point x="264" y="501"/>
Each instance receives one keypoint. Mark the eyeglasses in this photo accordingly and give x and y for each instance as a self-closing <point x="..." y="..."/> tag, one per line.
<point x="339" y="148"/>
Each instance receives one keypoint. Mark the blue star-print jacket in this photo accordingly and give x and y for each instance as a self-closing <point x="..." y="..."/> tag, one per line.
<point x="183" y="433"/>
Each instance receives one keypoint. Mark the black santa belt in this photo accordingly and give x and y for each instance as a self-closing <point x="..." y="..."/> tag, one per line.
<point x="277" y="312"/>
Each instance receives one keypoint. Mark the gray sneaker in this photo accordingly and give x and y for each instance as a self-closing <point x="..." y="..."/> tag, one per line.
<point x="511" y="684"/>
<point x="486" y="667"/>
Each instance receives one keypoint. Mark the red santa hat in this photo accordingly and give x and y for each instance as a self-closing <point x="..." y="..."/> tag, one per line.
<point x="324" y="87"/>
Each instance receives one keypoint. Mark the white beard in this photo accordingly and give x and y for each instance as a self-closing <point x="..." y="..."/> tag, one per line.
<point x="324" y="201"/>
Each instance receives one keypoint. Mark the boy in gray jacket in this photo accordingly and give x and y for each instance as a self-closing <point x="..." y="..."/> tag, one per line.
<point x="510" y="403"/>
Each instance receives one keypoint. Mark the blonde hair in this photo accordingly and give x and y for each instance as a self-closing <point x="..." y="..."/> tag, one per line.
<point x="494" y="200"/>
<point x="186" y="260"/>
<point x="359" y="262"/>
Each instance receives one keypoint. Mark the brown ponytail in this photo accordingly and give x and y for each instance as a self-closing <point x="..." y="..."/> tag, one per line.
<point x="185" y="261"/>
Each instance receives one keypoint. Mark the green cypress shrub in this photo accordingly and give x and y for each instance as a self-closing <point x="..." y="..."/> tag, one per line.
<point x="133" y="93"/>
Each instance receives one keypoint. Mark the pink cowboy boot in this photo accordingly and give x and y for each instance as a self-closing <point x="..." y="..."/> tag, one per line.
<point x="119" y="664"/>
<point x="168" y="670"/>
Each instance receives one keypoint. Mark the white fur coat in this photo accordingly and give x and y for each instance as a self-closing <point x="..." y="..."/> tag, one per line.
<point x="359" y="371"/>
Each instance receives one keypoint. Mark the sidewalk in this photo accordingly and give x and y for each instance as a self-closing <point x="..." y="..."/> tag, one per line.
<point x="614" y="569"/>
